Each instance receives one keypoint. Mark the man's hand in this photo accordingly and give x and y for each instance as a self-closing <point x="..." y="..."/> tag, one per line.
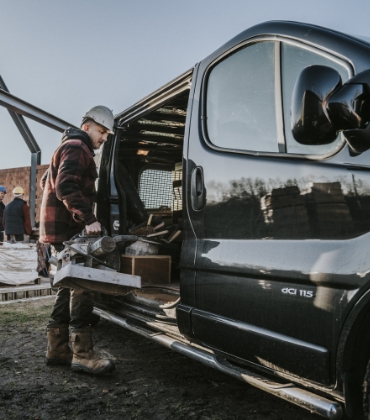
<point x="93" y="229"/>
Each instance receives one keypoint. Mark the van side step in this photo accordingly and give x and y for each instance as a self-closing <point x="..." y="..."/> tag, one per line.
<point x="329" y="409"/>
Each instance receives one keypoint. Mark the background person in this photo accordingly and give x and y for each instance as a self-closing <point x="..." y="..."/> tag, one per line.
<point x="16" y="218"/>
<point x="2" y="208"/>
<point x="69" y="193"/>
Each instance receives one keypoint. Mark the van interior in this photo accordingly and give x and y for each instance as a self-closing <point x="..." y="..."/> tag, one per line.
<point x="148" y="178"/>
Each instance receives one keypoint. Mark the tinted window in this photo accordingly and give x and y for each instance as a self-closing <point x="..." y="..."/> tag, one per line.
<point x="293" y="60"/>
<point x="240" y="102"/>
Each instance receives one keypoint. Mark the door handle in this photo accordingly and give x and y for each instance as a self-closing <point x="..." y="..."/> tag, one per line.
<point x="198" y="191"/>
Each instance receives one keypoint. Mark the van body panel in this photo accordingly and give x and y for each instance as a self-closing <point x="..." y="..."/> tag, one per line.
<point x="290" y="271"/>
<point x="261" y="346"/>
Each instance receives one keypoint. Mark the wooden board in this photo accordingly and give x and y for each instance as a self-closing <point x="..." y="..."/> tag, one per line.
<point x="108" y="281"/>
<point x="153" y="269"/>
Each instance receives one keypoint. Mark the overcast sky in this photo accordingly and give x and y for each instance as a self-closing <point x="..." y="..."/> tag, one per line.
<point x="66" y="56"/>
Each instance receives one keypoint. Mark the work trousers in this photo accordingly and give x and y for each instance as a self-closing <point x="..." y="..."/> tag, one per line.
<point x="72" y="307"/>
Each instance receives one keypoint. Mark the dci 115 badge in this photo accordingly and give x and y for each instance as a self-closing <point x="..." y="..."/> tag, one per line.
<point x="298" y="292"/>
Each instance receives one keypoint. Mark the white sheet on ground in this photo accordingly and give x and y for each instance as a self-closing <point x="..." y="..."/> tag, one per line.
<point x="18" y="263"/>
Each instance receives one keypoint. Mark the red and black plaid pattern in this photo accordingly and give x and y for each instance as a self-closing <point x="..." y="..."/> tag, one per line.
<point x="69" y="192"/>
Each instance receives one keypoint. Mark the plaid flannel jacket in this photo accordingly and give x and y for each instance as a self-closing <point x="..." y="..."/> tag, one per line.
<point x="69" y="189"/>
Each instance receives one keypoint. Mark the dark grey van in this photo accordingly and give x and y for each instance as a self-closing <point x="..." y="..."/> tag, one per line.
<point x="260" y="156"/>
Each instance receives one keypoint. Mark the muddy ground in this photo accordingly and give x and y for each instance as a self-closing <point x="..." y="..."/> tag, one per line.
<point x="150" y="381"/>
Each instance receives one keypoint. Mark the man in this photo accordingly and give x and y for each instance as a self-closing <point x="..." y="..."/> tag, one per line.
<point x="16" y="218"/>
<point x="66" y="209"/>
<point x="2" y="208"/>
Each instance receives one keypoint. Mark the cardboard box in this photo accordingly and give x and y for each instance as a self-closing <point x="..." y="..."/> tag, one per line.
<point x="153" y="269"/>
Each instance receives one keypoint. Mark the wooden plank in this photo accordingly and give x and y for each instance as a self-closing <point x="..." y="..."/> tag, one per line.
<point x="104" y="281"/>
<point x="24" y="288"/>
<point x="77" y="272"/>
<point x="25" y="293"/>
<point x="7" y="302"/>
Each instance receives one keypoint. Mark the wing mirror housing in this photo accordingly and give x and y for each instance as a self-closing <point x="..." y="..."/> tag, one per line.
<point x="322" y="107"/>
<point x="310" y="121"/>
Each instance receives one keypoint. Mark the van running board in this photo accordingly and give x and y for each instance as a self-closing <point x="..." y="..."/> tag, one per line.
<point x="289" y="392"/>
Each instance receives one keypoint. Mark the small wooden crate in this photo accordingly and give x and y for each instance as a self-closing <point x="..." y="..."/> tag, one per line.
<point x="153" y="269"/>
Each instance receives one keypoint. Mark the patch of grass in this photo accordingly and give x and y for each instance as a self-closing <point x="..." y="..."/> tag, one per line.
<point x="25" y="312"/>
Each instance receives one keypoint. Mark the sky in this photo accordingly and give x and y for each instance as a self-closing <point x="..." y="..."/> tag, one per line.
<point x="69" y="55"/>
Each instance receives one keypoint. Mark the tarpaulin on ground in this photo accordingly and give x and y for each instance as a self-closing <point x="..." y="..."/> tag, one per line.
<point x="18" y="263"/>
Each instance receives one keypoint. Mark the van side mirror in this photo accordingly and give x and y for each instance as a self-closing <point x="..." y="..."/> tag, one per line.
<point x="322" y="106"/>
<point x="349" y="109"/>
<point x="310" y="121"/>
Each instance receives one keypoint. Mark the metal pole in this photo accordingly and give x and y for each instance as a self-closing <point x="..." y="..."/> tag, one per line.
<point x="22" y="126"/>
<point x="12" y="103"/>
<point x="33" y="186"/>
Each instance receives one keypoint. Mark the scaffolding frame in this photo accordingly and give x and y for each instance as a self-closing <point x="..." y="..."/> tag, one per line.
<point x="18" y="109"/>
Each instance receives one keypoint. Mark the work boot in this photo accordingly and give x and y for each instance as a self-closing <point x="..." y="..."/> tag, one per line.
<point x="58" y="351"/>
<point x="84" y="357"/>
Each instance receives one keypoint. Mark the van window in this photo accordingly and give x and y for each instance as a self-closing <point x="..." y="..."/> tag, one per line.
<point x="155" y="188"/>
<point x="240" y="102"/>
<point x="293" y="60"/>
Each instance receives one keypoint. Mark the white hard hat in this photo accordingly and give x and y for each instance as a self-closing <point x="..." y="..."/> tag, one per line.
<point x="101" y="115"/>
<point x="18" y="191"/>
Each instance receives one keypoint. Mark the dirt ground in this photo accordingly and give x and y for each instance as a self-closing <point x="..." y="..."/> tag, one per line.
<point x="150" y="381"/>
